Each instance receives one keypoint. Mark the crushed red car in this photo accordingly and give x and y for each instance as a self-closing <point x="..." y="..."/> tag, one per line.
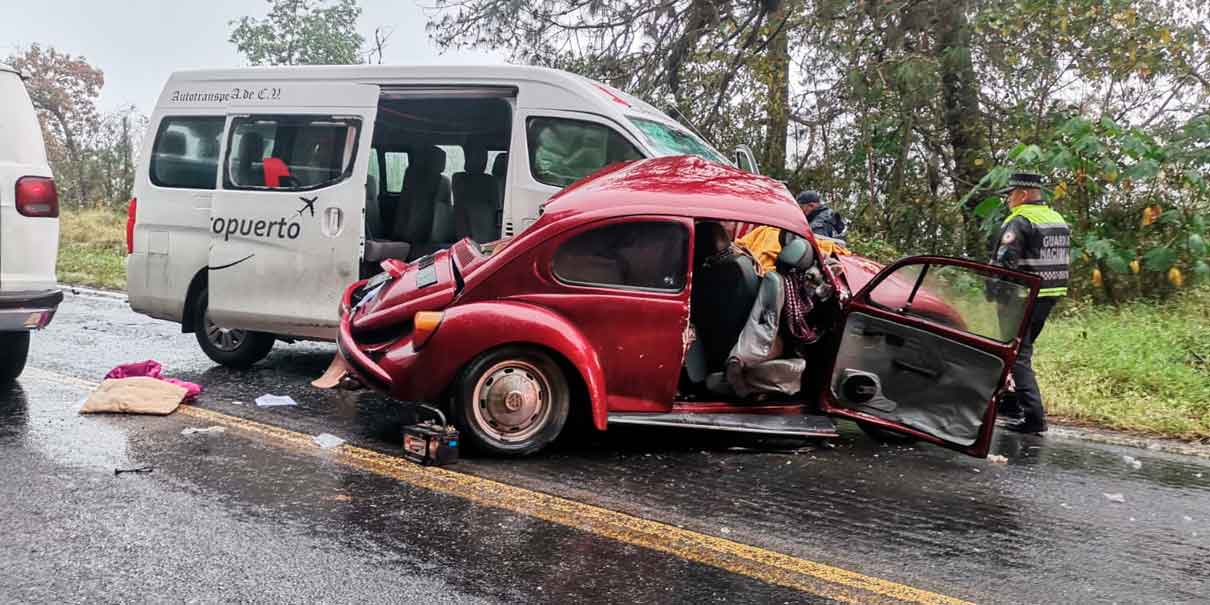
<point x="626" y="299"/>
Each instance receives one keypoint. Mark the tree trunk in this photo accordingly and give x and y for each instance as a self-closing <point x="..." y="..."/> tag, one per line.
<point x="960" y="96"/>
<point x="776" y="77"/>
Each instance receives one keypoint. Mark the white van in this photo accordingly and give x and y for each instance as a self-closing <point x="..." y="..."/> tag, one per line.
<point x="29" y="227"/>
<point x="262" y="192"/>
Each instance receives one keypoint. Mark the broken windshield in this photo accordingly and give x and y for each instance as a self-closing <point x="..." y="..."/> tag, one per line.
<point x="666" y="139"/>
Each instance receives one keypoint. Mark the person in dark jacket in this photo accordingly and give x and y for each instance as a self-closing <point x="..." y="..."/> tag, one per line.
<point x="824" y="221"/>
<point x="1035" y="239"/>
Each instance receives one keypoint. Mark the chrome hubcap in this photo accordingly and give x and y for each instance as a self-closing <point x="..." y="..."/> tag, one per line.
<point x="224" y="339"/>
<point x="512" y="401"/>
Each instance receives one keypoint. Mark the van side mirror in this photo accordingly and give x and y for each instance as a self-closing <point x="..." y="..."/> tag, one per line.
<point x="746" y="160"/>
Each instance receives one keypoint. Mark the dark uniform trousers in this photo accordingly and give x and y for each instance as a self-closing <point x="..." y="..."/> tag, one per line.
<point x="1029" y="397"/>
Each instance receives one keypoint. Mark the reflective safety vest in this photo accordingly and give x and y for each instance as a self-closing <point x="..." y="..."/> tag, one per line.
<point x="1035" y="239"/>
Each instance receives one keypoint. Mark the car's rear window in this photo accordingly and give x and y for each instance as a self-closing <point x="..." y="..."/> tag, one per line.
<point x="20" y="134"/>
<point x="635" y="255"/>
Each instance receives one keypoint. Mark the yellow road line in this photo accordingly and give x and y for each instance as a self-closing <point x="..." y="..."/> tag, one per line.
<point x="758" y="563"/>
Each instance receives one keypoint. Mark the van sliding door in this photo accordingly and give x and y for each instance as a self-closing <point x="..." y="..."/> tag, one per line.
<point x="287" y="224"/>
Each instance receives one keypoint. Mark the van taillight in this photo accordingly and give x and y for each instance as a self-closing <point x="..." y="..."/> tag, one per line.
<point x="130" y="213"/>
<point x="37" y="197"/>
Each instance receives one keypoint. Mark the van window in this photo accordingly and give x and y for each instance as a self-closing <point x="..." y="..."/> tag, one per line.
<point x="185" y="152"/>
<point x="396" y="165"/>
<point x="563" y="151"/>
<point x="290" y="152"/>
<point x="644" y="255"/>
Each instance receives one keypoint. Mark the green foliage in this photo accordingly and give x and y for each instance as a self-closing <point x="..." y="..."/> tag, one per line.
<point x="301" y="32"/>
<point x="92" y="248"/>
<point x="1143" y="366"/>
<point x="1132" y="194"/>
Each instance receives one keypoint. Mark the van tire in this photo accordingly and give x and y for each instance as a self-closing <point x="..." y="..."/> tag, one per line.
<point x="479" y="409"/>
<point x="14" y="350"/>
<point x="243" y="348"/>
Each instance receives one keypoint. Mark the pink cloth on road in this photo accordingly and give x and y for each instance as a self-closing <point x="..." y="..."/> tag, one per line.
<point x="153" y="369"/>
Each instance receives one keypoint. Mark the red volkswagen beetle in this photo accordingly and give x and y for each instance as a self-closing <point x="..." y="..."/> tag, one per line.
<point x="626" y="298"/>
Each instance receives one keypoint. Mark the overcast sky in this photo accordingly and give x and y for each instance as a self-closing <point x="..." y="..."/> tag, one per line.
<point x="137" y="43"/>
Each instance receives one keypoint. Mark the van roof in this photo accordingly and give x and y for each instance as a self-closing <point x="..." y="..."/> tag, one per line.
<point x="602" y="95"/>
<point x="6" y="67"/>
<point x="681" y="186"/>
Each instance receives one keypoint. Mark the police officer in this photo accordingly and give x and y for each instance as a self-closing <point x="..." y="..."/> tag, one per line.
<point x="1035" y="239"/>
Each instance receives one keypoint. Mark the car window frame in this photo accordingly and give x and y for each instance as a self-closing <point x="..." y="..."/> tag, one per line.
<point x="228" y="185"/>
<point x="566" y="238"/>
<point x="162" y="128"/>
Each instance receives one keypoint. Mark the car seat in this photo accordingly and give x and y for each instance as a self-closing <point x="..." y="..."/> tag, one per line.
<point x="378" y="248"/>
<point x="423" y="188"/>
<point x="476" y="199"/>
<point x="251" y="149"/>
<point x="725" y="285"/>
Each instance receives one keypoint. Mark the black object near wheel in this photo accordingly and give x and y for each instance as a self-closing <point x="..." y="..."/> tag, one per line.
<point x="882" y="435"/>
<point x="232" y="348"/>
<point x="512" y="401"/>
<point x="14" y="349"/>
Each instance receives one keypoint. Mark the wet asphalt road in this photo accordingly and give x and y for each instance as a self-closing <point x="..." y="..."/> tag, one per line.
<point x="230" y="517"/>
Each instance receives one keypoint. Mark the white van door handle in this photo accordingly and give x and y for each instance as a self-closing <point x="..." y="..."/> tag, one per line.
<point x="333" y="221"/>
<point x="202" y="201"/>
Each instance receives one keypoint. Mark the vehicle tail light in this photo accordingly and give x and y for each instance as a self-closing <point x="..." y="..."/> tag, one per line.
<point x="423" y="325"/>
<point x="37" y="197"/>
<point x="130" y="214"/>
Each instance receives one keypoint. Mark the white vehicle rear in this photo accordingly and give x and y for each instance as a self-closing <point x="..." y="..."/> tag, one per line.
<point x="261" y="193"/>
<point x="29" y="227"/>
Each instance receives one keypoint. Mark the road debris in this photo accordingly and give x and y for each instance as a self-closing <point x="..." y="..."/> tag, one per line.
<point x="1134" y="463"/>
<point x="210" y="429"/>
<point x="1119" y="498"/>
<point x="138" y="469"/>
<point x="152" y="369"/>
<point x="139" y="395"/>
<point x="997" y="459"/>
<point x="327" y="441"/>
<point x="271" y="401"/>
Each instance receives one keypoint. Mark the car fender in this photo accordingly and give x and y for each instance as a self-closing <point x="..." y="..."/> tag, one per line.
<point x="467" y="331"/>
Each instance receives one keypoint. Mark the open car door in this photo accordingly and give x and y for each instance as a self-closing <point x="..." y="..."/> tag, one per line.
<point x="927" y="345"/>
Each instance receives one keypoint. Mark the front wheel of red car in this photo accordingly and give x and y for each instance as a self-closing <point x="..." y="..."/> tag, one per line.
<point x="512" y="401"/>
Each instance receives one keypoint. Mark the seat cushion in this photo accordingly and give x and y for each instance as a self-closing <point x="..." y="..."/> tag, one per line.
<point x="380" y="250"/>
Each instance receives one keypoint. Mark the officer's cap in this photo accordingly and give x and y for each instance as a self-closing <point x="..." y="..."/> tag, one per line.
<point x="1023" y="180"/>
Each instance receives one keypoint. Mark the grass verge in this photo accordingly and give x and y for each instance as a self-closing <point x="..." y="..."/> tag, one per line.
<point x="1142" y="367"/>
<point x="92" y="248"/>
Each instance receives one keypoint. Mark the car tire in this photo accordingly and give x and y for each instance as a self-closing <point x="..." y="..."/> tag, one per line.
<point x="512" y="401"/>
<point x="14" y="350"/>
<point x="882" y="435"/>
<point x="232" y="348"/>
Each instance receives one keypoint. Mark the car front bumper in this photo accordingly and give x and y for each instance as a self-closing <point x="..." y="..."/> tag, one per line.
<point x="23" y="311"/>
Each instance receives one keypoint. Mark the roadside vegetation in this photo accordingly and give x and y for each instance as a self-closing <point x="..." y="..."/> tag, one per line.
<point x="92" y="248"/>
<point x="1143" y="366"/>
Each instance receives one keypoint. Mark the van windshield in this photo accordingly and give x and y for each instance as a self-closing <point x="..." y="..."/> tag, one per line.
<point x="666" y="139"/>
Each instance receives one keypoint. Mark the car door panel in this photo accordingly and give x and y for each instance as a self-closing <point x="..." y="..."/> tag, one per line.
<point x="931" y="371"/>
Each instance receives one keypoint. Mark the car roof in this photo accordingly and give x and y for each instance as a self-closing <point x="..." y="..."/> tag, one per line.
<point x="686" y="186"/>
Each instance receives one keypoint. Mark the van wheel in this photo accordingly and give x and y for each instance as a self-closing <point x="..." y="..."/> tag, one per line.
<point x="882" y="435"/>
<point x="232" y="348"/>
<point x="14" y="349"/>
<point x="512" y="401"/>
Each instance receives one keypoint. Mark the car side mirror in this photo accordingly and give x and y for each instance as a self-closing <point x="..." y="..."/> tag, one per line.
<point x="746" y="160"/>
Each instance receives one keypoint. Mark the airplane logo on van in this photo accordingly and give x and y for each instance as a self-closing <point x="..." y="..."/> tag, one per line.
<point x="308" y="204"/>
